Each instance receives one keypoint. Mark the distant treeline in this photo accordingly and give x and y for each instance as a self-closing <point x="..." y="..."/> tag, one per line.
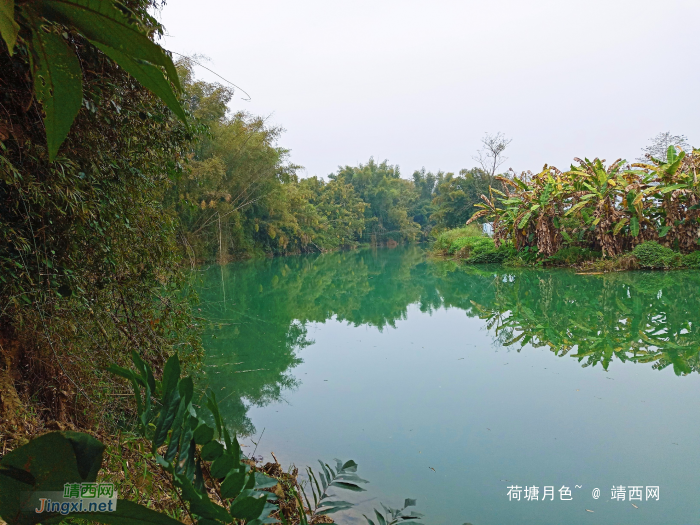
<point x="240" y="194"/>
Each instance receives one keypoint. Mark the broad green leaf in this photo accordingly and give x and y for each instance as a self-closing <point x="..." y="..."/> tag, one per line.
<point x="213" y="407"/>
<point x="58" y="84"/>
<point x="203" y="434"/>
<point x="409" y="503"/>
<point x="88" y="453"/>
<point x="671" y="154"/>
<point x="523" y="221"/>
<point x="223" y="465"/>
<point x="8" y="27"/>
<point x="212" y="450"/>
<point x="249" y="507"/>
<point x="330" y="503"/>
<point x="171" y="374"/>
<point x="634" y="226"/>
<point x="348" y="486"/>
<point x="148" y="75"/>
<point x="619" y="226"/>
<point x="123" y="372"/>
<point x="100" y="21"/>
<point x="174" y="444"/>
<point x="45" y="464"/>
<point x="262" y="481"/>
<point x="663" y="231"/>
<point x="200" y="504"/>
<point x="171" y="405"/>
<point x="349" y="466"/>
<point x="233" y="484"/>
<point x="130" y="513"/>
<point x="351" y="476"/>
<point x="331" y="510"/>
<point x="380" y="518"/>
<point x="186" y="389"/>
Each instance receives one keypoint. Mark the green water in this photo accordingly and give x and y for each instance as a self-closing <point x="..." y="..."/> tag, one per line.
<point x="492" y="377"/>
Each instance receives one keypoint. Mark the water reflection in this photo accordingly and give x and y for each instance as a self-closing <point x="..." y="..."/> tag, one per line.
<point x="258" y="312"/>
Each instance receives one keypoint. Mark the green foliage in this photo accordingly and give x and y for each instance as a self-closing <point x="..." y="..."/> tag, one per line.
<point x="571" y="255"/>
<point x="169" y="417"/>
<point x="55" y="69"/>
<point x="445" y="239"/>
<point x="467" y="246"/>
<point x="653" y="255"/>
<point x="456" y="196"/>
<point x="692" y="260"/>
<point x="603" y="208"/>
<point x="391" y="200"/>
<point x="344" y="477"/>
<point x="392" y="516"/>
<point x="47" y="463"/>
<point x="242" y="196"/>
<point x="89" y="264"/>
<point x="492" y="255"/>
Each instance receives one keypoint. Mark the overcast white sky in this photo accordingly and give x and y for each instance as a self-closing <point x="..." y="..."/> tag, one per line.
<point x="419" y="82"/>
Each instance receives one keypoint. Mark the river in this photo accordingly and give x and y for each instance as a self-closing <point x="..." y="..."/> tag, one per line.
<point x="456" y="385"/>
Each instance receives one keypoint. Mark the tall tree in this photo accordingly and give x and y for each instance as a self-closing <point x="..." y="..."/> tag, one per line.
<point x="658" y="146"/>
<point x="490" y="156"/>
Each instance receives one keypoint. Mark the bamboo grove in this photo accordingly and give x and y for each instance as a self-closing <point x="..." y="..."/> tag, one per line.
<point x="609" y="209"/>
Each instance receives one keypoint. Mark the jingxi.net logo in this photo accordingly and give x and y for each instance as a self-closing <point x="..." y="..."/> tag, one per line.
<point x="75" y="498"/>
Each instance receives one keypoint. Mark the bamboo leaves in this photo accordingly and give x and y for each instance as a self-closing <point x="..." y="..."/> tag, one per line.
<point x="8" y="27"/>
<point x="58" y="83"/>
<point x="56" y="69"/>
<point x="149" y="75"/>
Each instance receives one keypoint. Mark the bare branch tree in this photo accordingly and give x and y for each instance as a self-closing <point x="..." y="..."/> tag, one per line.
<point x="659" y="146"/>
<point x="490" y="155"/>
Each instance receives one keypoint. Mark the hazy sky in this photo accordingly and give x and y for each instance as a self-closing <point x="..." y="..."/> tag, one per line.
<point x="418" y="82"/>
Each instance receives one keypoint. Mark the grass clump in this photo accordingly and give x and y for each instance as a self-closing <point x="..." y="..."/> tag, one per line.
<point x="572" y="255"/>
<point x="466" y="247"/>
<point x="493" y="255"/>
<point x="655" y="256"/>
<point x="444" y="241"/>
<point x="692" y="260"/>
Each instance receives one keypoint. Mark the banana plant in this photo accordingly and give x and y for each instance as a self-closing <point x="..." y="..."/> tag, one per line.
<point x="678" y="194"/>
<point x="119" y="33"/>
<point x="183" y="442"/>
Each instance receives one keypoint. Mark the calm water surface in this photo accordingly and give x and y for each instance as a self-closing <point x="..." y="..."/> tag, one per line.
<point x="492" y="377"/>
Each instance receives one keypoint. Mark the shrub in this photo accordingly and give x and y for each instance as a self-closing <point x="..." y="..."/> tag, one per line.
<point x="652" y="255"/>
<point x="465" y="247"/>
<point x="493" y="255"/>
<point x="692" y="260"/>
<point x="444" y="240"/>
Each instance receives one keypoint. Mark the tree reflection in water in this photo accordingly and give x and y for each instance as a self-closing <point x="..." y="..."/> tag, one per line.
<point x="257" y="313"/>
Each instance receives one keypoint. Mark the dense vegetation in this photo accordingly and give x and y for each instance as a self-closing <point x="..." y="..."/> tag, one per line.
<point x="242" y="196"/>
<point x="116" y="167"/>
<point x="607" y="209"/>
<point x="645" y="215"/>
<point x="89" y="260"/>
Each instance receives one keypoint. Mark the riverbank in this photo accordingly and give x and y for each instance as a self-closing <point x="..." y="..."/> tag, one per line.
<point x="470" y="245"/>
